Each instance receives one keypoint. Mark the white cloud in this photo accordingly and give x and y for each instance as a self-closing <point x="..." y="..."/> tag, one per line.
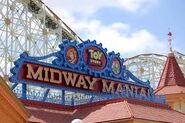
<point x="117" y="36"/>
<point x="87" y="7"/>
<point x="134" y="5"/>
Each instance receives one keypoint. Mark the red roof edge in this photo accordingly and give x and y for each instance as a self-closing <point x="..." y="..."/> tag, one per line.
<point x="60" y="107"/>
<point x="130" y="100"/>
<point x="157" y="89"/>
<point x="33" y="119"/>
<point x="47" y="105"/>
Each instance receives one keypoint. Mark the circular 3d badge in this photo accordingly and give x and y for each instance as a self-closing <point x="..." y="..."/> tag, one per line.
<point x="72" y="55"/>
<point x="116" y="66"/>
<point x="95" y="58"/>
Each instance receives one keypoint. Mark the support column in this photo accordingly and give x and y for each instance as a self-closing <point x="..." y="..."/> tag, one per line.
<point x="63" y="97"/>
<point x="24" y="89"/>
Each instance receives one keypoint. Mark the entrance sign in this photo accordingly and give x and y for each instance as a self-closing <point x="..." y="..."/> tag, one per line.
<point x="86" y="66"/>
<point x="53" y="76"/>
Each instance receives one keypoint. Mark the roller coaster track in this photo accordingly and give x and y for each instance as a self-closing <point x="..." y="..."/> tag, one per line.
<point x="29" y="25"/>
<point x="150" y="66"/>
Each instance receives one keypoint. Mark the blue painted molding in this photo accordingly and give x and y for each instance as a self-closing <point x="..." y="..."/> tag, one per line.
<point x="79" y="65"/>
<point x="60" y="62"/>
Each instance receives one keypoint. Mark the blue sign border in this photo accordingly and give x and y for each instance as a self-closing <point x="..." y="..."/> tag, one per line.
<point x="60" y="62"/>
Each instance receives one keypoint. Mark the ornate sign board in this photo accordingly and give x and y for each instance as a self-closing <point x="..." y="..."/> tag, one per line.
<point x="85" y="66"/>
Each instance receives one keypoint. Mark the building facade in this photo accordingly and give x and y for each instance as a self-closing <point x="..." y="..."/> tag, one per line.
<point x="93" y="85"/>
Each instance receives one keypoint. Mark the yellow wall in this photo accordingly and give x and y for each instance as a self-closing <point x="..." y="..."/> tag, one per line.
<point x="176" y="101"/>
<point x="179" y="106"/>
<point x="11" y="109"/>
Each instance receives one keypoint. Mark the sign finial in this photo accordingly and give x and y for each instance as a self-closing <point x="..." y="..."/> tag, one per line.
<point x="170" y="41"/>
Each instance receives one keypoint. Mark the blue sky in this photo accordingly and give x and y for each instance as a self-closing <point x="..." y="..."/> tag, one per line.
<point x="130" y="27"/>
